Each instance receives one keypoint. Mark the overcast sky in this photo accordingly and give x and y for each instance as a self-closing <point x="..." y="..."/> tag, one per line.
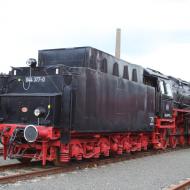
<point x="155" y="33"/>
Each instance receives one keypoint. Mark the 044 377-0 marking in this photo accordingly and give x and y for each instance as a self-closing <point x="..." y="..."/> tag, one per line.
<point x="35" y="79"/>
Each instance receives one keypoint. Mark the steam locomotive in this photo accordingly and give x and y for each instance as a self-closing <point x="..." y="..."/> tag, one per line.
<point x="84" y="103"/>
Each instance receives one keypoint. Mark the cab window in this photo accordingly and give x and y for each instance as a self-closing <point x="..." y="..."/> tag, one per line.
<point x="162" y="87"/>
<point x="169" y="90"/>
<point x="166" y="88"/>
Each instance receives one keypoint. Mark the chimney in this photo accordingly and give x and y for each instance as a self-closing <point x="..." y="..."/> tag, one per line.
<point x="118" y="43"/>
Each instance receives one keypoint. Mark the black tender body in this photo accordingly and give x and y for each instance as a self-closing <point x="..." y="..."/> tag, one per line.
<point x="88" y="90"/>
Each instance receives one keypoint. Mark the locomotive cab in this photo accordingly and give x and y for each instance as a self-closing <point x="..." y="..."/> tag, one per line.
<point x="163" y="90"/>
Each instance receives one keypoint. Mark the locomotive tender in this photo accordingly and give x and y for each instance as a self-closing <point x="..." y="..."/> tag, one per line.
<point x="83" y="103"/>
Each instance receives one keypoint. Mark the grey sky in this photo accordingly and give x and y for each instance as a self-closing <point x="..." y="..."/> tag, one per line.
<point x="155" y="33"/>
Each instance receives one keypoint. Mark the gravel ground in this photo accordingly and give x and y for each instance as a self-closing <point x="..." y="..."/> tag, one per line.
<point x="8" y="161"/>
<point x="153" y="172"/>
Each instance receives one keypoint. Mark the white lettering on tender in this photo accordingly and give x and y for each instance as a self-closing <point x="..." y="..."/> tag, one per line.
<point x="35" y="79"/>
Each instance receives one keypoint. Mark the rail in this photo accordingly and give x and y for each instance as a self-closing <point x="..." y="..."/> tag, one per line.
<point x="183" y="185"/>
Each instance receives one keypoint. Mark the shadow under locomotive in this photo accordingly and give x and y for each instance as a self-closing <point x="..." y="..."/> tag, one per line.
<point x="83" y="103"/>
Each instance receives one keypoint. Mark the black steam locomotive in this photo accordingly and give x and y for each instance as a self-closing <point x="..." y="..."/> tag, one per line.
<point x="83" y="103"/>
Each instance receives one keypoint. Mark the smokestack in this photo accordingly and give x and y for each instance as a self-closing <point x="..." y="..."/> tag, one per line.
<point x="118" y="43"/>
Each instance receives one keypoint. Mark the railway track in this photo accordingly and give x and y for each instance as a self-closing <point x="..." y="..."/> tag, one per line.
<point x="183" y="185"/>
<point x="18" y="172"/>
